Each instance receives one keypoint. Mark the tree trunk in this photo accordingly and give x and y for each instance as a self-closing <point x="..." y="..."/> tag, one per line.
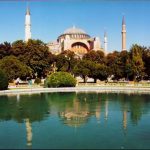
<point x="84" y="80"/>
<point x="95" y="80"/>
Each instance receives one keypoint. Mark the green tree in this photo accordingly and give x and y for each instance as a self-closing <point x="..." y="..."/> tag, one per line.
<point x="87" y="68"/>
<point x="137" y="64"/>
<point x="115" y="65"/>
<point x="81" y="69"/>
<point x="100" y="72"/>
<point x="95" y="56"/>
<point x="125" y="64"/>
<point x="19" y="49"/>
<point x="3" y="81"/>
<point x="14" y="68"/>
<point x="5" y="49"/>
<point x="66" y="61"/>
<point x="34" y="54"/>
<point x="146" y="60"/>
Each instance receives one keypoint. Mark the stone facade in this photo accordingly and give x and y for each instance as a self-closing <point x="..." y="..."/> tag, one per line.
<point x="76" y="40"/>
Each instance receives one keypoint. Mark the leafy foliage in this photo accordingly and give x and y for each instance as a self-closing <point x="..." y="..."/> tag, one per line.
<point x="14" y="68"/>
<point x="34" y="54"/>
<point x="96" y="56"/>
<point x="146" y="60"/>
<point x="35" y="57"/>
<point x="60" y="79"/>
<point x="3" y="81"/>
<point x="66" y="61"/>
<point x="5" y="49"/>
<point x="137" y="64"/>
<point x="87" y="68"/>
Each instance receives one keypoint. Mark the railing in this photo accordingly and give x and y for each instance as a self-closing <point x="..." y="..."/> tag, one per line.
<point x="130" y="84"/>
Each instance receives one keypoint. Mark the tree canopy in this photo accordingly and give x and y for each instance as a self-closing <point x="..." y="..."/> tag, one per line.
<point x="34" y="57"/>
<point x="14" y="68"/>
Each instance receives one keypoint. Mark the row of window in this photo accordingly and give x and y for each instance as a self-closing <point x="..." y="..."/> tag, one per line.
<point x="81" y="36"/>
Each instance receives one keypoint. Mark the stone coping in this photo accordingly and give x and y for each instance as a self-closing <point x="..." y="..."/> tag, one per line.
<point x="79" y="89"/>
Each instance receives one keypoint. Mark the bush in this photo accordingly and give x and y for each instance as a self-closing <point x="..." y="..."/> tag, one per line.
<point x="60" y="79"/>
<point x="3" y="81"/>
<point x="37" y="81"/>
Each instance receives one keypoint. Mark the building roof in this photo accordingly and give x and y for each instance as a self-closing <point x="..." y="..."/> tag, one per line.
<point x="74" y="30"/>
<point x="28" y="11"/>
<point x="123" y="20"/>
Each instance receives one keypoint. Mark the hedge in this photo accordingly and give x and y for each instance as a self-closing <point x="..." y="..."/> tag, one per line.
<point x="60" y="79"/>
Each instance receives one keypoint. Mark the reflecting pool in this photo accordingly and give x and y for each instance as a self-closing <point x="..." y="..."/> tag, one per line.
<point x="75" y="120"/>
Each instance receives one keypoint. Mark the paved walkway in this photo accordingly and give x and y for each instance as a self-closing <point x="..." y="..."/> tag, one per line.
<point x="79" y="89"/>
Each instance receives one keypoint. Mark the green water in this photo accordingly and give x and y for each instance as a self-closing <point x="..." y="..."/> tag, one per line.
<point x="75" y="120"/>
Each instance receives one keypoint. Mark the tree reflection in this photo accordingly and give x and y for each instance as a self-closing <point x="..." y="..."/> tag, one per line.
<point x="33" y="107"/>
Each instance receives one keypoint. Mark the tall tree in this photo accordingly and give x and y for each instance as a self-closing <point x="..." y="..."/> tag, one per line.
<point x="146" y="60"/>
<point x="19" y="48"/>
<point x="81" y="69"/>
<point x="115" y="65"/>
<point x="13" y="68"/>
<point x="34" y="54"/>
<point x="137" y="64"/>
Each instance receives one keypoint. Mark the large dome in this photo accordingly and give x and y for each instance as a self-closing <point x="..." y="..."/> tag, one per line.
<point x="73" y="33"/>
<point x="74" y="30"/>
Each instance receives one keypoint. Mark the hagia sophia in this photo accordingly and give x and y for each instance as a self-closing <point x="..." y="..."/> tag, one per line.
<point x="75" y="39"/>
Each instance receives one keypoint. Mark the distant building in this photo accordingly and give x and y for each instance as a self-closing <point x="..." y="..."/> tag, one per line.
<point x="76" y="40"/>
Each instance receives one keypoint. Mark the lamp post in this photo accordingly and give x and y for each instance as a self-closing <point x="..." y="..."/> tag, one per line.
<point x="54" y="67"/>
<point x="68" y="60"/>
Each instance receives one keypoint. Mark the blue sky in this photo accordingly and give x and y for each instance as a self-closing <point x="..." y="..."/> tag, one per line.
<point x="51" y="17"/>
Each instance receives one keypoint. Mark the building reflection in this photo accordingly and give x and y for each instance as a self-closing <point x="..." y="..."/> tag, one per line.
<point x="106" y="109"/>
<point x="28" y="132"/>
<point x="125" y="119"/>
<point x="76" y="115"/>
<point x="80" y="112"/>
<point x="18" y="97"/>
<point x="98" y="112"/>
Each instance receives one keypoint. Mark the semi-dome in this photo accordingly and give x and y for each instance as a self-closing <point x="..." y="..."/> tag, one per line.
<point x="74" y="30"/>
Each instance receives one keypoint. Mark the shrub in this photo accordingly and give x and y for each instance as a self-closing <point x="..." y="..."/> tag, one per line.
<point x="3" y="81"/>
<point x="60" y="79"/>
<point x="37" y="81"/>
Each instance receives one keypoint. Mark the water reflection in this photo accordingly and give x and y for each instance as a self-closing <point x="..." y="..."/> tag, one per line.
<point x="72" y="106"/>
<point x="73" y="109"/>
<point x="29" y="132"/>
<point x="106" y="109"/>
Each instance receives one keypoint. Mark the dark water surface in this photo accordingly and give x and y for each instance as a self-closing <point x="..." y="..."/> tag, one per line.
<point x="75" y="120"/>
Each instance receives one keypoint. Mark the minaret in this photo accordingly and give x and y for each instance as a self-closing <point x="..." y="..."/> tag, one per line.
<point x="27" y="25"/>
<point x="123" y="34"/>
<point x="105" y="42"/>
